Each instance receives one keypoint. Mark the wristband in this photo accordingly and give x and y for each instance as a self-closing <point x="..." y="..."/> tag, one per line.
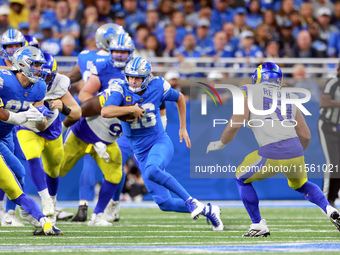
<point x="66" y="110"/>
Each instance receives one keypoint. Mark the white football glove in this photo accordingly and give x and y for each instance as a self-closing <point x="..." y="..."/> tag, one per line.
<point x="215" y="146"/>
<point x="100" y="148"/>
<point x="32" y="114"/>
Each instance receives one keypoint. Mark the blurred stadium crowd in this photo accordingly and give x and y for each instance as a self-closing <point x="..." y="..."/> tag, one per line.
<point x="185" y="28"/>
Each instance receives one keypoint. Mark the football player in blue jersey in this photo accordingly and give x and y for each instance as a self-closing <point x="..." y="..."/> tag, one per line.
<point x="10" y="41"/>
<point x="44" y="149"/>
<point x="150" y="143"/>
<point x="81" y="72"/>
<point x="98" y="132"/>
<point x="281" y="147"/>
<point x="19" y="89"/>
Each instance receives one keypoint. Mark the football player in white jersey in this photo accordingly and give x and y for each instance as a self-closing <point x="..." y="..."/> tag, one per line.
<point x="81" y="73"/>
<point x="281" y="147"/>
<point x="44" y="149"/>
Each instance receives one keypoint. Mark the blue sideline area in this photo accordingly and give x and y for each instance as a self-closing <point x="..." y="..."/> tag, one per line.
<point x="213" y="188"/>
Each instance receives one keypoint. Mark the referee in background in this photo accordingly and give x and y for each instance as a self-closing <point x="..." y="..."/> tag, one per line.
<point x="329" y="133"/>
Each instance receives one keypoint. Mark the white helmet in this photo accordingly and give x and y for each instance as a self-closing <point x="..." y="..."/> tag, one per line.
<point x="105" y="33"/>
<point x="25" y="59"/>
<point x="11" y="36"/>
<point x="138" y="67"/>
<point x="121" y="42"/>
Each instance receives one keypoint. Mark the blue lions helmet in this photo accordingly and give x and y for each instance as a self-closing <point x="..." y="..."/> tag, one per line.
<point x="268" y="72"/>
<point x="105" y="33"/>
<point x="50" y="68"/>
<point x="10" y="41"/>
<point x="121" y="42"/>
<point x="138" y="67"/>
<point x="32" y="41"/>
<point x="28" y="61"/>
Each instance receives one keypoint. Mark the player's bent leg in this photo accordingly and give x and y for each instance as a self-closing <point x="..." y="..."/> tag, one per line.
<point x="32" y="146"/>
<point x="154" y="169"/>
<point x="112" y="171"/>
<point x="298" y="181"/>
<point x="31" y="207"/>
<point x="52" y="157"/>
<point x="10" y="218"/>
<point x="74" y="149"/>
<point x="111" y="211"/>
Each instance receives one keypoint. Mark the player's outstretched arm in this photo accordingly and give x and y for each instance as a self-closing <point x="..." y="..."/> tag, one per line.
<point x="32" y="114"/>
<point x="229" y="133"/>
<point x="302" y="130"/>
<point x="91" y="107"/>
<point x="68" y="106"/>
<point x="74" y="74"/>
<point x="183" y="133"/>
<point x="91" y="86"/>
<point x="112" y="111"/>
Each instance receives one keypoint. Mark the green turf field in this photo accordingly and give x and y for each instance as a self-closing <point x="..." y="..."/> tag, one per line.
<point x="151" y="231"/>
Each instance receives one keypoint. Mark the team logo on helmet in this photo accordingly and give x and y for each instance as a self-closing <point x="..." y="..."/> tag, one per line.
<point x="109" y="31"/>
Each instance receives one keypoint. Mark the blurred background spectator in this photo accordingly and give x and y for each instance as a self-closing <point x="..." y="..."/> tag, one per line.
<point x="89" y="23"/>
<point x="105" y="13"/>
<point x="4" y="23"/>
<point x="68" y="46"/>
<point x="251" y="28"/>
<point x="18" y="13"/>
<point x="301" y="81"/>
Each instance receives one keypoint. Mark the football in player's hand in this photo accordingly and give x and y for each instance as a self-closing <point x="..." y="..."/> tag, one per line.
<point x="128" y="117"/>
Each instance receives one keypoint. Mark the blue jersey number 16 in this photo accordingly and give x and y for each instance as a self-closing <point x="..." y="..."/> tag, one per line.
<point x="149" y="119"/>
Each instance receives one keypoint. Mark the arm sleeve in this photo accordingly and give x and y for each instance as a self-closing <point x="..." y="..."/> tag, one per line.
<point x="169" y="94"/>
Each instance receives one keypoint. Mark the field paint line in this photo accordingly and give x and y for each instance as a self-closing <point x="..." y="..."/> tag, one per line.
<point x="222" y="204"/>
<point x="304" y="247"/>
<point x="161" y="237"/>
<point x="181" y="231"/>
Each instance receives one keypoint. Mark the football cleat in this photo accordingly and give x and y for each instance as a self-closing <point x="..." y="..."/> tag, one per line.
<point x="28" y="217"/>
<point x="334" y="216"/>
<point x="81" y="215"/>
<point x="111" y="212"/>
<point x="10" y="220"/>
<point x="213" y="216"/>
<point x="48" y="229"/>
<point x="195" y="207"/>
<point x="258" y="230"/>
<point x="98" y="220"/>
<point x="61" y="215"/>
<point x="48" y="206"/>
